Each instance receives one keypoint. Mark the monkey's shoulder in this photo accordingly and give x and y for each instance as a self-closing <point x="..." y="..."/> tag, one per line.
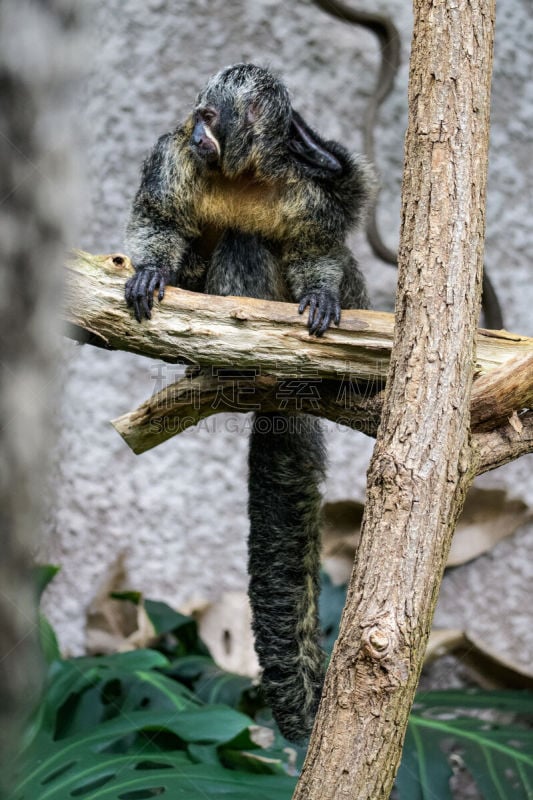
<point x="167" y="166"/>
<point x="341" y="198"/>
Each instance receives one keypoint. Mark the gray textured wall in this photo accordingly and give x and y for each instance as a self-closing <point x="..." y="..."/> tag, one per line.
<point x="180" y="511"/>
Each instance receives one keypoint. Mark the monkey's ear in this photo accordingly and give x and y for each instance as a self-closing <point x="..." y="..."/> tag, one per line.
<point x="309" y="148"/>
<point x="252" y="113"/>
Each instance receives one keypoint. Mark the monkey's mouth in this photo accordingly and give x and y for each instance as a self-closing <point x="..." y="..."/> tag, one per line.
<point x="206" y="152"/>
<point x="205" y="144"/>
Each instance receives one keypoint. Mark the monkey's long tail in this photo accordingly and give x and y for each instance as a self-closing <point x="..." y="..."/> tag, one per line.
<point x="287" y="460"/>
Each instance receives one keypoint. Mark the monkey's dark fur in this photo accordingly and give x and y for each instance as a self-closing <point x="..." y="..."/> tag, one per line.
<point x="244" y="198"/>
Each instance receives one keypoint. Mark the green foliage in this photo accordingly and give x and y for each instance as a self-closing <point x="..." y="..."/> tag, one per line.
<point x="44" y="574"/>
<point x="169" y="722"/>
<point x="145" y="723"/>
<point x="487" y="735"/>
<point x="48" y="640"/>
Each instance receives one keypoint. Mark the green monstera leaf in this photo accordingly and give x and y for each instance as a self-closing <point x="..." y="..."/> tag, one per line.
<point x="488" y="736"/>
<point x="117" y="727"/>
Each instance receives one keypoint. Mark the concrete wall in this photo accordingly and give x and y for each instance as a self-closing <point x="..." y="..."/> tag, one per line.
<point x="179" y="512"/>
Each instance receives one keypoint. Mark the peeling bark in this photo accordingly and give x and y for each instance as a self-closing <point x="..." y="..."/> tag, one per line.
<point x="242" y="332"/>
<point x="356" y="404"/>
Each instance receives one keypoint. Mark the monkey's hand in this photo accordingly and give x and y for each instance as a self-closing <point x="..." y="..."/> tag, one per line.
<point x="140" y="288"/>
<point x="324" y="308"/>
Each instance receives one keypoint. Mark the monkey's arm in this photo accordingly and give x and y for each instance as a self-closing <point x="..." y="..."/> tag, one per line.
<point x="318" y="265"/>
<point x="315" y="278"/>
<point x="330" y="194"/>
<point x="156" y="236"/>
<point x="156" y="249"/>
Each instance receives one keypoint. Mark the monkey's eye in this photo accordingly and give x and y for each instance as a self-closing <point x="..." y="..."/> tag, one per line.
<point x="208" y="115"/>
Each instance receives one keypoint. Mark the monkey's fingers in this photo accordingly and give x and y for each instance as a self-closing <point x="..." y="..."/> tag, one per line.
<point x="142" y="301"/>
<point x="310" y="300"/>
<point x="315" y="313"/>
<point x="136" y="293"/>
<point x="324" y="308"/>
<point x="156" y="282"/>
<point x="162" y="285"/>
<point x="133" y="298"/>
<point x="128" y="290"/>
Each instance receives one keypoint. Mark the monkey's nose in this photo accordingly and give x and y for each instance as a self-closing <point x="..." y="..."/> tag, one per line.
<point x="204" y="143"/>
<point x="201" y="141"/>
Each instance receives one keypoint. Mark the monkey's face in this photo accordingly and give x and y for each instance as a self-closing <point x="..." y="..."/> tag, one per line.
<point x="241" y="118"/>
<point x="205" y="139"/>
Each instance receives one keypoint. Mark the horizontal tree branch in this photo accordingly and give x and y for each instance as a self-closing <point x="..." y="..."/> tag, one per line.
<point x="257" y="354"/>
<point x="242" y="332"/>
<point x="197" y="397"/>
<point x="194" y="398"/>
<point x="495" y="448"/>
<point x="500" y="392"/>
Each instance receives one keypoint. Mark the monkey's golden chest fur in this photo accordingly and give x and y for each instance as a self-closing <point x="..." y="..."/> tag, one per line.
<point x="242" y="204"/>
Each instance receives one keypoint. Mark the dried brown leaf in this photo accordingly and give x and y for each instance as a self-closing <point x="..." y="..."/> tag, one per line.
<point x="490" y="669"/>
<point x="341" y="528"/>
<point x="442" y="642"/>
<point x="226" y="628"/>
<point x="488" y="516"/>
<point x="116" y="625"/>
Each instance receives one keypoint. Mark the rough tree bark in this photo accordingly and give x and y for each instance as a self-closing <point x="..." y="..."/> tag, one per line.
<point x="422" y="463"/>
<point x="495" y="402"/>
<point x="229" y="331"/>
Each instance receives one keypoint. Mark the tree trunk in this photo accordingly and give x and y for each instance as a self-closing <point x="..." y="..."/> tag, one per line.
<point x="422" y="462"/>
